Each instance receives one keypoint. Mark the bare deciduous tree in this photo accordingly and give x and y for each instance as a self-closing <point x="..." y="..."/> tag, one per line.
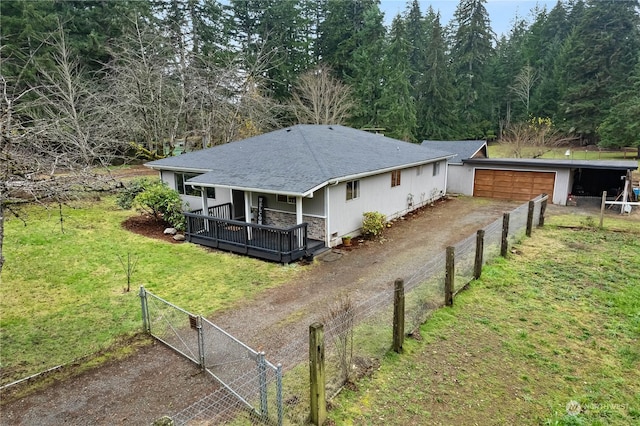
<point x="53" y="136"/>
<point x="524" y="84"/>
<point x="533" y="138"/>
<point x="320" y="98"/>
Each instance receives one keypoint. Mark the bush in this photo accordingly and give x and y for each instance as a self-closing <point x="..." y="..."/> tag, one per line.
<point x="128" y="194"/>
<point x="163" y="203"/>
<point x="373" y="223"/>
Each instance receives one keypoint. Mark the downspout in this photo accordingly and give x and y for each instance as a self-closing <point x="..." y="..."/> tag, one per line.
<point x="446" y="175"/>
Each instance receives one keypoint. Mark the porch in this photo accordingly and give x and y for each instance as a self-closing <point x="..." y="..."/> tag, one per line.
<point x="218" y="230"/>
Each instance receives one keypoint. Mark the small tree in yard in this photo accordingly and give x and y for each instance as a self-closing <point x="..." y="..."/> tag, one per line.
<point x="163" y="203"/>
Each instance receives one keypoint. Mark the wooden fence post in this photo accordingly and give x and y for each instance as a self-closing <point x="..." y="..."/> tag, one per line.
<point x="504" y="245"/>
<point x="477" y="267"/>
<point x="398" y="315"/>
<point x="543" y="208"/>
<point x="530" y="218"/>
<point x="603" y="203"/>
<point x="318" y="404"/>
<point x="449" y="276"/>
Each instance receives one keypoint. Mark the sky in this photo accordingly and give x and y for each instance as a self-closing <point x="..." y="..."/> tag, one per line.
<point x="501" y="12"/>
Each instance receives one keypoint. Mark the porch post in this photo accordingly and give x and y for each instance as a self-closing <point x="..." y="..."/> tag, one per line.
<point x="298" y="210"/>
<point x="205" y="207"/>
<point x="299" y="219"/>
<point x="247" y="211"/>
<point x="205" y="202"/>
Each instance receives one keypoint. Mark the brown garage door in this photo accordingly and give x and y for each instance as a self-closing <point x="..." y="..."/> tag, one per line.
<point x="512" y="185"/>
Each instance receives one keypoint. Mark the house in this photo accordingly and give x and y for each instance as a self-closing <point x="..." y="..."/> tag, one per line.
<point x="282" y="194"/>
<point x="471" y="172"/>
<point x="459" y="177"/>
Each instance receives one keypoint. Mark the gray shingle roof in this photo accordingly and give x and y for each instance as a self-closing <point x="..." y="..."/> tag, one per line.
<point x="299" y="159"/>
<point x="462" y="149"/>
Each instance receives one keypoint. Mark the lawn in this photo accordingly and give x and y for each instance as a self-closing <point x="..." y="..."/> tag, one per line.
<point x="549" y="336"/>
<point x="62" y="291"/>
<point x="497" y="150"/>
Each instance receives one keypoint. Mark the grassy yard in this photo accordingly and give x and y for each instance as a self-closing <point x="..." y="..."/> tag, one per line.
<point x="549" y="336"/>
<point x="500" y="151"/>
<point x="62" y="289"/>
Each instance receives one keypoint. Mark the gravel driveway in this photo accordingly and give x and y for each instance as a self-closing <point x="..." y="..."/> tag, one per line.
<point x="155" y="381"/>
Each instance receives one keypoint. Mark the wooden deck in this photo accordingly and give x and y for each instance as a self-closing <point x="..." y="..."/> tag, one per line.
<point x="282" y="245"/>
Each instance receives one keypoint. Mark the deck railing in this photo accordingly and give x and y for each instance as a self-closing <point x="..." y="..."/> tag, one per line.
<point x="221" y="211"/>
<point x="265" y="242"/>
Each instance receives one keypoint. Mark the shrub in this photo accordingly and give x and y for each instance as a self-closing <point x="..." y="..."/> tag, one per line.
<point x="131" y="190"/>
<point x="373" y="223"/>
<point x="163" y="203"/>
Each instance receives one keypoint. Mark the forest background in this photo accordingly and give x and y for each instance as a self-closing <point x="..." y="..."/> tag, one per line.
<point x="209" y="72"/>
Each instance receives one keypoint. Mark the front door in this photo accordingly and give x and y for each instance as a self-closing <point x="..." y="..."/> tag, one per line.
<point x="238" y="204"/>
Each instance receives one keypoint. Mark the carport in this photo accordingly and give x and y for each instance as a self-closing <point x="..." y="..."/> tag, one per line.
<point x="524" y="178"/>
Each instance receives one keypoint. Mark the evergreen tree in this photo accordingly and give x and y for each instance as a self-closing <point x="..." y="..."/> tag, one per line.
<point x="337" y="33"/>
<point x="417" y="38"/>
<point x="366" y="69"/>
<point x="599" y="55"/>
<point x="621" y="127"/>
<point x="437" y="102"/>
<point x="505" y="68"/>
<point x="471" y="51"/>
<point x="396" y="106"/>
<point x="274" y="30"/>
<point x="544" y="45"/>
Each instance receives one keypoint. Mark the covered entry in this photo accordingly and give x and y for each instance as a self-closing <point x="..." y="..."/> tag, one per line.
<point x="512" y="184"/>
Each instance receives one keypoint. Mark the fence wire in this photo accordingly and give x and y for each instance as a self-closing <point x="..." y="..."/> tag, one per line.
<point x="357" y="333"/>
<point x="249" y="384"/>
<point x="518" y="223"/>
<point x="173" y="326"/>
<point x="492" y="241"/>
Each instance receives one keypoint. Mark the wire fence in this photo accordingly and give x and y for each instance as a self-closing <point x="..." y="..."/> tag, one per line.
<point x="357" y="334"/>
<point x="250" y="386"/>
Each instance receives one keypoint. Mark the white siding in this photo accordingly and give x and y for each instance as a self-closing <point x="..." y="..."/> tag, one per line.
<point x="376" y="194"/>
<point x="223" y="195"/>
<point x="460" y="179"/>
<point x="310" y="206"/>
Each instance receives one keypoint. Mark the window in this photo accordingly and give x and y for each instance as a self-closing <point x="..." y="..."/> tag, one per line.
<point x="285" y="199"/>
<point x="395" y="178"/>
<point x="436" y="168"/>
<point x="353" y="189"/>
<point x="185" y="189"/>
<point x="419" y="170"/>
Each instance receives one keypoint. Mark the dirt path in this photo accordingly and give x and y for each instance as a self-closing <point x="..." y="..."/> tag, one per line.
<point x="155" y="381"/>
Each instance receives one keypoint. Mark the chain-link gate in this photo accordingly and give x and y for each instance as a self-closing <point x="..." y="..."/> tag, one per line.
<point x="250" y="383"/>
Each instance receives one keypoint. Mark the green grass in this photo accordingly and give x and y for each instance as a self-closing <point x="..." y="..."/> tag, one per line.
<point x="62" y="290"/>
<point x="500" y="151"/>
<point x="559" y="322"/>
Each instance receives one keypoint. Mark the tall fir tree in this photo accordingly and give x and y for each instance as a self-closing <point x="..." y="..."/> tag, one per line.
<point x="273" y="30"/>
<point x="337" y="33"/>
<point x="472" y="49"/>
<point x="417" y="36"/>
<point x="621" y="127"/>
<point x="543" y="46"/>
<point x="436" y="104"/>
<point x="396" y="106"/>
<point x="598" y="57"/>
<point x="366" y="69"/>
